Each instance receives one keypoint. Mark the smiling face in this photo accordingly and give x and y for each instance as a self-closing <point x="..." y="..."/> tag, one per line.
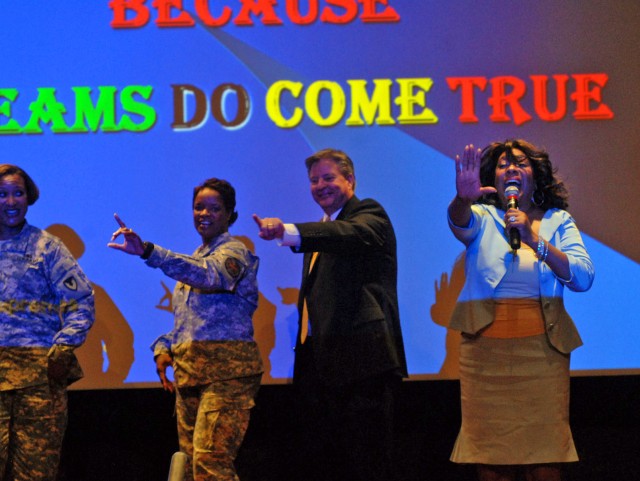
<point x="329" y="187"/>
<point x="210" y="216"/>
<point x="515" y="171"/>
<point x="13" y="205"/>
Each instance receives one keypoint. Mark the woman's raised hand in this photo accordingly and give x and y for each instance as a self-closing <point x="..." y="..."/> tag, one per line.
<point x="132" y="242"/>
<point x="468" y="187"/>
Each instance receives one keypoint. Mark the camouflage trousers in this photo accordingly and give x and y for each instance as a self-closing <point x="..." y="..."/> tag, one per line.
<point x="212" y="421"/>
<point x="32" y="425"/>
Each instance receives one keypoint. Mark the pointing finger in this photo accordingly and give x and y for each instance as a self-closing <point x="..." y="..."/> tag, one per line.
<point x="258" y="220"/>
<point x="119" y="220"/>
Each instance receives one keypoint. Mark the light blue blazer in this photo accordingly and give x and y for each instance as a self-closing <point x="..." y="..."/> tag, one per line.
<point x="485" y="265"/>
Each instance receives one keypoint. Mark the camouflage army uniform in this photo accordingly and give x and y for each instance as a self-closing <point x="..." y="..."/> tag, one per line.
<point x="216" y="362"/>
<point x="46" y="309"/>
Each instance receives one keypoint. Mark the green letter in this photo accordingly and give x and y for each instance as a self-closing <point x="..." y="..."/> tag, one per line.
<point x="11" y="127"/>
<point x="46" y="109"/>
<point x="105" y="110"/>
<point x="130" y="105"/>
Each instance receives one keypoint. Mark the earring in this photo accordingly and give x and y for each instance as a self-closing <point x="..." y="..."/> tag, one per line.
<point x="537" y="198"/>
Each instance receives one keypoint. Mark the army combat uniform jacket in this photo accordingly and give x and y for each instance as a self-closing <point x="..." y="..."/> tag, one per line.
<point x="46" y="302"/>
<point x="214" y="301"/>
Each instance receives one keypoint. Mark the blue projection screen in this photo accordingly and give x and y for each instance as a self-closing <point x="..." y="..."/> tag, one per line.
<point x="124" y="106"/>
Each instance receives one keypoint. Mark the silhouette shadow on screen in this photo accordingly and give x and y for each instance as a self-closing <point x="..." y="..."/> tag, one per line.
<point x="447" y="292"/>
<point x="107" y="355"/>
<point x="263" y="323"/>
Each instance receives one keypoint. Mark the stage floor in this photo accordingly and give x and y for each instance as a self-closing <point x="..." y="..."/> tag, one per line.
<point x="129" y="434"/>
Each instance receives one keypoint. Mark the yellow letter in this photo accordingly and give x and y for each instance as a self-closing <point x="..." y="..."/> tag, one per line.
<point x="408" y="99"/>
<point x="272" y="103"/>
<point x="312" y="100"/>
<point x="379" y="102"/>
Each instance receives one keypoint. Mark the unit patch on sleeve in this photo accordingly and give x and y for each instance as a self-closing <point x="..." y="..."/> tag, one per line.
<point x="233" y="267"/>
<point x="71" y="283"/>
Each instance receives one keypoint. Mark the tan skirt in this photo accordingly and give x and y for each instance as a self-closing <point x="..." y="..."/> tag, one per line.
<point x="515" y="402"/>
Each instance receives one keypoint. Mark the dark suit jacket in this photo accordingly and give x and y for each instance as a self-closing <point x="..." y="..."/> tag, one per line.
<point x="352" y="294"/>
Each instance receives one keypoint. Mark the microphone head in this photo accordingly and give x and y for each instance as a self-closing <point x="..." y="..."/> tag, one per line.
<point x="511" y="191"/>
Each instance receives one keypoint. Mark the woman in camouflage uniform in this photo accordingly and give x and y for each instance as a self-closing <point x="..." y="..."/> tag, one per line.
<point x="215" y="360"/>
<point x="46" y="309"/>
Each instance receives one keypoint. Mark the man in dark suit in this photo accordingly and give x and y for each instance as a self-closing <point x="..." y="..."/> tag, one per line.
<point x="349" y="349"/>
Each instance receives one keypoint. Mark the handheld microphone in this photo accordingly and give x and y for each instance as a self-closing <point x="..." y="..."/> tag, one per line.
<point x="512" y="193"/>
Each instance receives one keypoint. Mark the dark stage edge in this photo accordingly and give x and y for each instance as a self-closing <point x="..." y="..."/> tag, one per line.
<point x="129" y="434"/>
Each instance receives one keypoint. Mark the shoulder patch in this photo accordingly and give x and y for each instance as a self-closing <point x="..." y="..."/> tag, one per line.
<point x="233" y="267"/>
<point x="71" y="283"/>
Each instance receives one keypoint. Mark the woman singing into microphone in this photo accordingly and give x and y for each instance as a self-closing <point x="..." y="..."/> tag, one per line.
<point x="516" y="334"/>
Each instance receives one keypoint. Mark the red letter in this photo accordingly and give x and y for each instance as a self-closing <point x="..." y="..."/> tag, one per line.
<point x="258" y="7"/>
<point x="293" y="12"/>
<point x="369" y="14"/>
<point x="466" y="85"/>
<point x="582" y="96"/>
<point x="164" y="14"/>
<point x="500" y="99"/>
<point x="120" y="8"/>
<point x="350" y="6"/>
<point x="540" y="101"/>
<point x="202" y="9"/>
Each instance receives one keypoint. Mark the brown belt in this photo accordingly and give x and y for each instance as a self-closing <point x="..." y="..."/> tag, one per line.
<point x="516" y="318"/>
